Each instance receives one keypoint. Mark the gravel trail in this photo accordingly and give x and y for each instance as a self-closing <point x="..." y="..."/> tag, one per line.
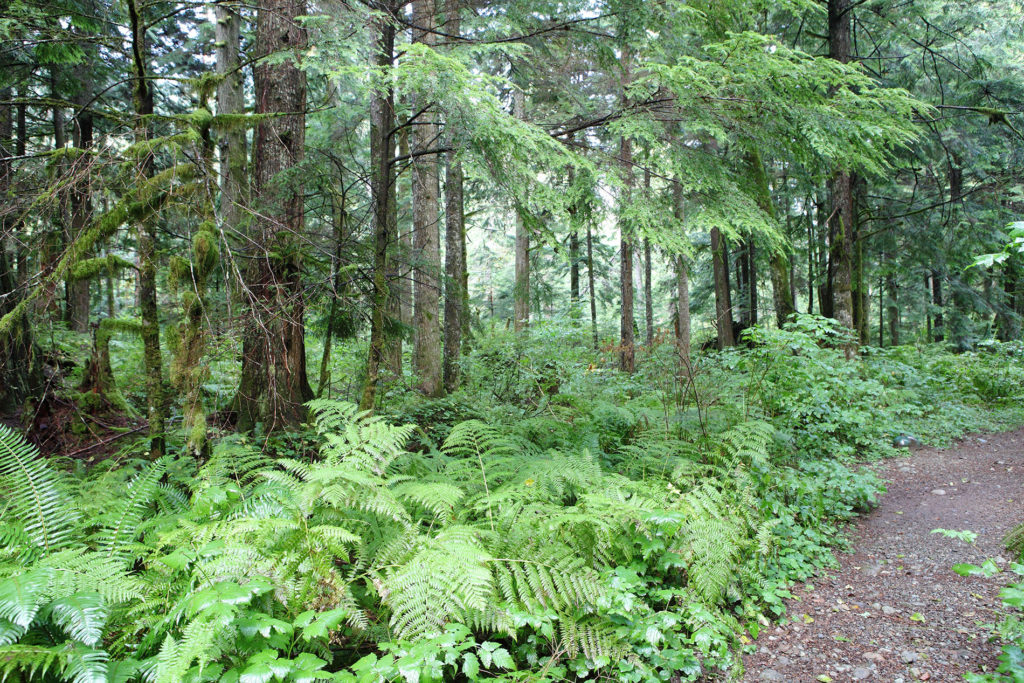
<point x="895" y="611"/>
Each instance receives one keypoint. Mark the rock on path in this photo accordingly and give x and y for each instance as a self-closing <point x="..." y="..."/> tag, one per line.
<point x="895" y="611"/>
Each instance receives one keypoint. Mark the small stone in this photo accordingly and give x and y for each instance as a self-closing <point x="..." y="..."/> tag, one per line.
<point x="873" y="656"/>
<point x="889" y="611"/>
<point x="772" y="675"/>
<point x="860" y="673"/>
<point x="938" y="492"/>
<point x="908" y="657"/>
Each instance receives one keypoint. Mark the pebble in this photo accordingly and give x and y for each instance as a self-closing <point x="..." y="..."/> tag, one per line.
<point x="938" y="492"/>
<point x="908" y="657"/>
<point x="772" y="675"/>
<point x="860" y="673"/>
<point x="887" y="610"/>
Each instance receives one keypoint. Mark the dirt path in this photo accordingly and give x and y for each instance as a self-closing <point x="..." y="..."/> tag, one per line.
<point x="895" y="611"/>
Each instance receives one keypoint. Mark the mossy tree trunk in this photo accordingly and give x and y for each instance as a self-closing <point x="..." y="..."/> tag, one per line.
<point x="81" y="195"/>
<point x="146" y="242"/>
<point x="15" y="347"/>
<point x="274" y="386"/>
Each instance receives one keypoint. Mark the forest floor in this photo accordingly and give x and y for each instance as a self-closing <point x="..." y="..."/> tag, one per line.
<point x="895" y="611"/>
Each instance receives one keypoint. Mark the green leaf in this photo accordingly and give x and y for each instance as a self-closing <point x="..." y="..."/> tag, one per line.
<point x="470" y="665"/>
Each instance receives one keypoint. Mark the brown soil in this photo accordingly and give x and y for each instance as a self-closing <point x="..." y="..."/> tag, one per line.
<point x="895" y="611"/>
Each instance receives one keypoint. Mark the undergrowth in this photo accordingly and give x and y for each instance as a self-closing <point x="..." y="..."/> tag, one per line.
<point x="554" y="520"/>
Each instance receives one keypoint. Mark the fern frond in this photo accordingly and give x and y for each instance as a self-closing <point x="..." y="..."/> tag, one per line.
<point x="36" y="660"/>
<point x="34" y="493"/>
<point x="82" y="616"/>
<point x="123" y="528"/>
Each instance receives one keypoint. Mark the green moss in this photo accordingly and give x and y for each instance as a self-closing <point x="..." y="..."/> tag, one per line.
<point x="103" y="265"/>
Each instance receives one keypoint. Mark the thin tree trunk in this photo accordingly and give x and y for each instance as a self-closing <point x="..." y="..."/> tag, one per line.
<point x="521" y="293"/>
<point x="938" y="333"/>
<point x="648" y="300"/>
<point x="590" y="284"/>
<point x="382" y="121"/>
<point x="146" y="244"/>
<point x="404" y="289"/>
<point x="627" y="351"/>
<point x="682" y="288"/>
<point x="454" y="259"/>
<point x="811" y="257"/>
<point x="81" y="197"/>
<point x="339" y="218"/>
<point x="723" y="311"/>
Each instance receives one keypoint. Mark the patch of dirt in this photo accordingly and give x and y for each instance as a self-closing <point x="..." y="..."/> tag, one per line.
<point x="895" y="611"/>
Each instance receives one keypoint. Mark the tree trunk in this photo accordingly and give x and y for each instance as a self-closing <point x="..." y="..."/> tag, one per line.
<point x="842" y="189"/>
<point x="146" y="243"/>
<point x="682" y="288"/>
<point x="454" y="258"/>
<point x="892" y="306"/>
<point x="723" y="310"/>
<point x="648" y="300"/>
<point x="938" y="333"/>
<point x="627" y="351"/>
<point x="81" y="197"/>
<point x="426" y="228"/>
<point x="16" y="347"/>
<point x="382" y="121"/>
<point x="590" y="284"/>
<point x="521" y="290"/>
<point x="275" y="374"/>
<point x="339" y="219"/>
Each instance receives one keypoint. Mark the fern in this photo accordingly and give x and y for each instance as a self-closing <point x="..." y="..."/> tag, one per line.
<point x="124" y="526"/>
<point x="34" y="493"/>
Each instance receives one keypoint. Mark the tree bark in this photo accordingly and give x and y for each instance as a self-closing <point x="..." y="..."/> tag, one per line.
<point x="426" y="227"/>
<point x="274" y="375"/>
<point x="938" y="333"/>
<point x="382" y="121"/>
<point x="682" y="288"/>
<point x="627" y="342"/>
<point x="892" y="306"/>
<point x="590" y="285"/>
<point x="81" y="196"/>
<point x="521" y="293"/>
<point x="234" y="172"/>
<point x="146" y="242"/>
<point x="454" y="258"/>
<point x="842" y="218"/>
<point x="15" y="348"/>
<point x="723" y="310"/>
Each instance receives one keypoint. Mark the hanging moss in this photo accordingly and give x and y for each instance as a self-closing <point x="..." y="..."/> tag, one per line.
<point x="103" y="265"/>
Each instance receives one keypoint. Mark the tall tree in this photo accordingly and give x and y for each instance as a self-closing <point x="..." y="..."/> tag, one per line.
<point x="454" y="256"/>
<point x="142" y="96"/>
<point x="723" y="305"/>
<point x="274" y="385"/>
<point x="521" y="292"/>
<point x="382" y="121"/>
<point x="426" y="222"/>
<point x="841" y="223"/>
<point x="682" y="286"/>
<point x="627" y="341"/>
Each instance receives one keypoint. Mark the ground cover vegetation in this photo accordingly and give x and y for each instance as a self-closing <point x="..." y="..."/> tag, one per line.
<point x="450" y="340"/>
